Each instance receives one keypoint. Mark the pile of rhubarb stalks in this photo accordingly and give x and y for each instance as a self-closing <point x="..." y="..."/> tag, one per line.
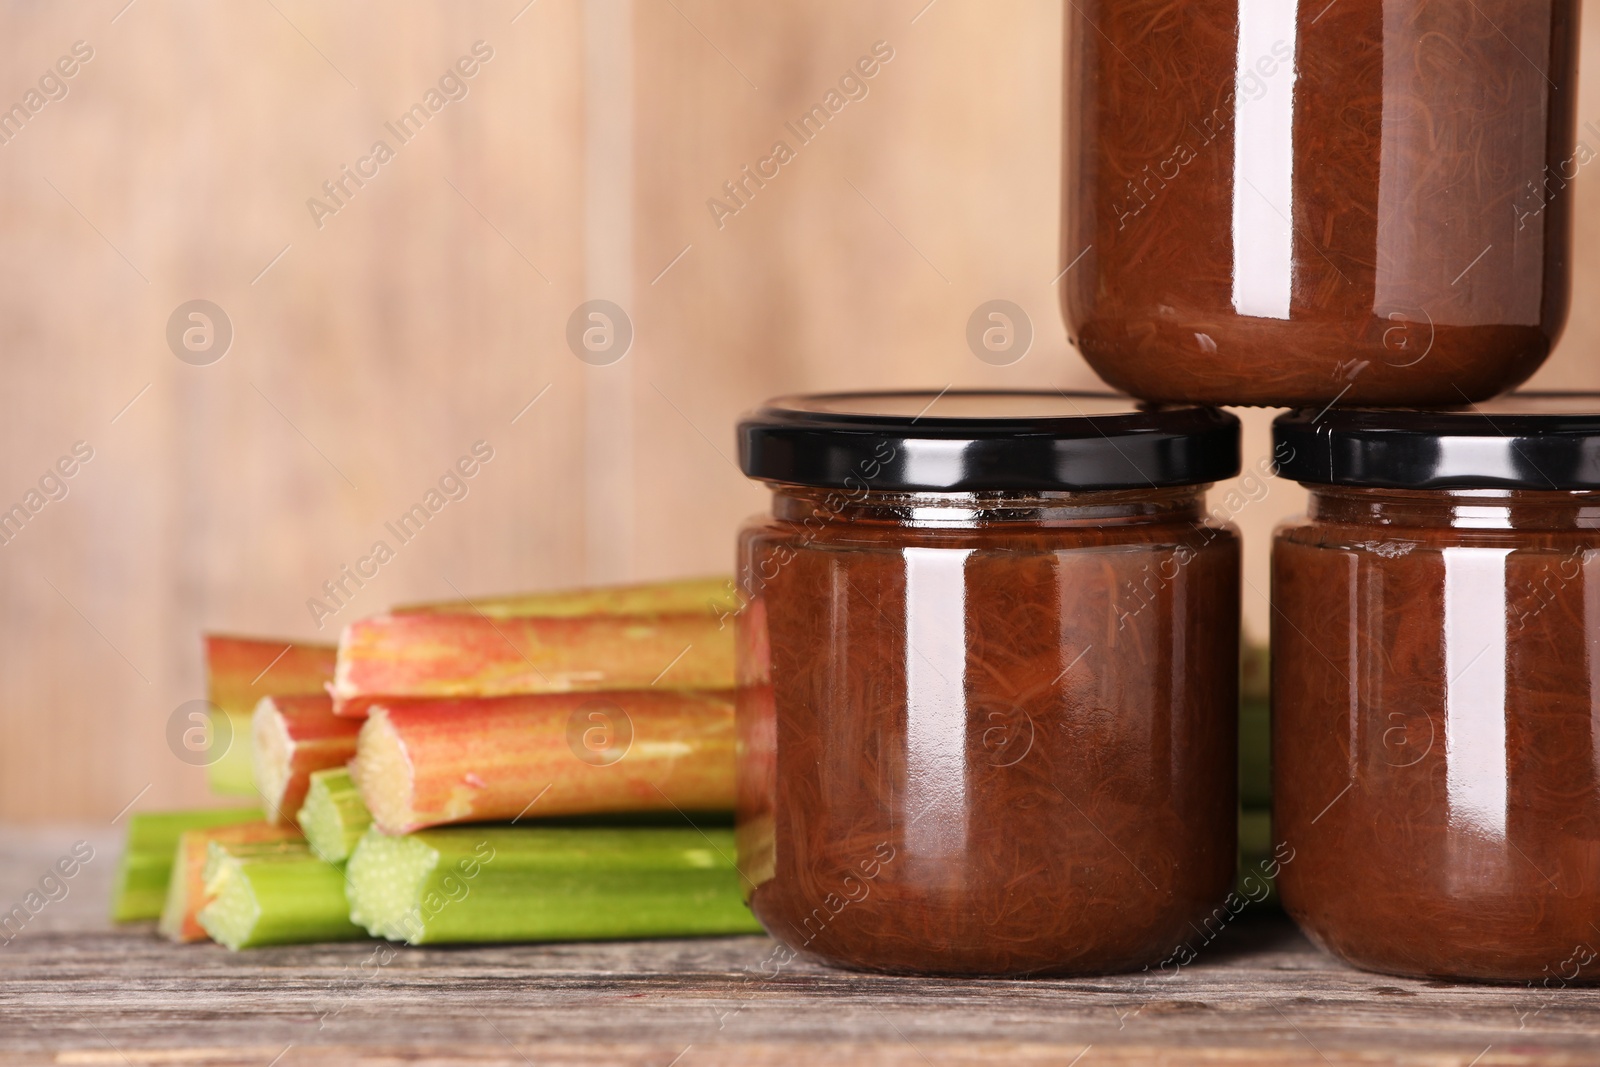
<point x="557" y="766"/>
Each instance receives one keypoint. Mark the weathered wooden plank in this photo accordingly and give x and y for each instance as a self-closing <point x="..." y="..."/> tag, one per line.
<point x="1259" y="994"/>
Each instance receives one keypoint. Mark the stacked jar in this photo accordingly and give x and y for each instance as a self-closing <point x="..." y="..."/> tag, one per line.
<point x="988" y="657"/>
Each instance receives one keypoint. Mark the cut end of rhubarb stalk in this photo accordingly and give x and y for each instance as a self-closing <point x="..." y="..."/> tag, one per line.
<point x="383" y="772"/>
<point x="292" y="736"/>
<point x="272" y="751"/>
<point x="232" y="911"/>
<point x="186" y="886"/>
<point x="274" y="893"/>
<point x="383" y="882"/>
<point x="333" y="817"/>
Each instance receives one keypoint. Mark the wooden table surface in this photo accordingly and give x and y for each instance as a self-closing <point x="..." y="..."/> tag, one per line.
<point x="75" y="990"/>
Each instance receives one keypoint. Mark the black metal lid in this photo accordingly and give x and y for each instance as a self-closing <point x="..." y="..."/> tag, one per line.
<point x="976" y="441"/>
<point x="1521" y="441"/>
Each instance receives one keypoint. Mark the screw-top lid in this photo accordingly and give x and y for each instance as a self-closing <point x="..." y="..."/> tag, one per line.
<point x="1521" y="441"/>
<point x="976" y="441"/>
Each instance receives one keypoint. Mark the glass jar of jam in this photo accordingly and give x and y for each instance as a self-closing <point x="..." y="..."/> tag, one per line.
<point x="1283" y="201"/>
<point x="988" y="671"/>
<point x="1436" y="688"/>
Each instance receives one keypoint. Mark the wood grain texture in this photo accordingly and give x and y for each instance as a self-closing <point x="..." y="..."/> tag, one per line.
<point x="74" y="990"/>
<point x="429" y="311"/>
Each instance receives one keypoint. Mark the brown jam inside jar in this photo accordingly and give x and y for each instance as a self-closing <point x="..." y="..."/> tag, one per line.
<point x="1435" y="680"/>
<point x="1278" y="202"/>
<point x="984" y="731"/>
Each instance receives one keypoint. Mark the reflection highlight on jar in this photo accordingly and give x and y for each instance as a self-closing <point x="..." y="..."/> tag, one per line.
<point x="1475" y="696"/>
<point x="936" y="703"/>
<point x="1263" y="169"/>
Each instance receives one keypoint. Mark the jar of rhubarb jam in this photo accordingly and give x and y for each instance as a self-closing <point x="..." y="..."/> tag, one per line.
<point x="1283" y="201"/>
<point x="1436" y="687"/>
<point x="988" y="669"/>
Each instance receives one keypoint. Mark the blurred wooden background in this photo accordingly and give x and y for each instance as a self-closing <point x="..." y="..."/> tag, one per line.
<point x="431" y="309"/>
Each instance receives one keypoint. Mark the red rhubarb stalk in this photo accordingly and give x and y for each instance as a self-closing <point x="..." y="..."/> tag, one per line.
<point x="242" y="670"/>
<point x="291" y="736"/>
<point x="425" y="764"/>
<point x="433" y="656"/>
<point x="239" y="672"/>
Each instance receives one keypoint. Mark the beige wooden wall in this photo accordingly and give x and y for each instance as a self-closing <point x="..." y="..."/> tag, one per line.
<point x="428" y="312"/>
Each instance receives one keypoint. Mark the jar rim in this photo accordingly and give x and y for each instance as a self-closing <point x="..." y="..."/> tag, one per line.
<point x="986" y="440"/>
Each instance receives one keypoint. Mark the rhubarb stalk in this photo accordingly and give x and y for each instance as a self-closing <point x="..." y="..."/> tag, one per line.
<point x="186" y="889"/>
<point x="713" y="596"/>
<point x="423" y="656"/>
<point x="239" y="672"/>
<point x="430" y="763"/>
<point x="475" y="883"/>
<point x="333" y="818"/>
<point x="139" y="888"/>
<point x="290" y="738"/>
<point x="273" y="894"/>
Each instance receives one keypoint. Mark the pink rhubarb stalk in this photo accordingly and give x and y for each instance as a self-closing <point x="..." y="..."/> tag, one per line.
<point x="425" y="764"/>
<point x="434" y="656"/>
<point x="291" y="737"/>
<point x="242" y="670"/>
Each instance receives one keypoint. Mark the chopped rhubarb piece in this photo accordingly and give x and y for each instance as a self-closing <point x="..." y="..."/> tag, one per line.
<point x="239" y="672"/>
<point x="292" y="736"/>
<point x="426" y="656"/>
<point x="428" y="763"/>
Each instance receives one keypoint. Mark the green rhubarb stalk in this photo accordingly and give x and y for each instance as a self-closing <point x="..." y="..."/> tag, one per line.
<point x="333" y="817"/>
<point x="1255" y="729"/>
<point x="503" y="883"/>
<point x="139" y="888"/>
<point x="276" y="893"/>
<point x="186" y="890"/>
<point x="229" y="775"/>
<point x="1255" y="879"/>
